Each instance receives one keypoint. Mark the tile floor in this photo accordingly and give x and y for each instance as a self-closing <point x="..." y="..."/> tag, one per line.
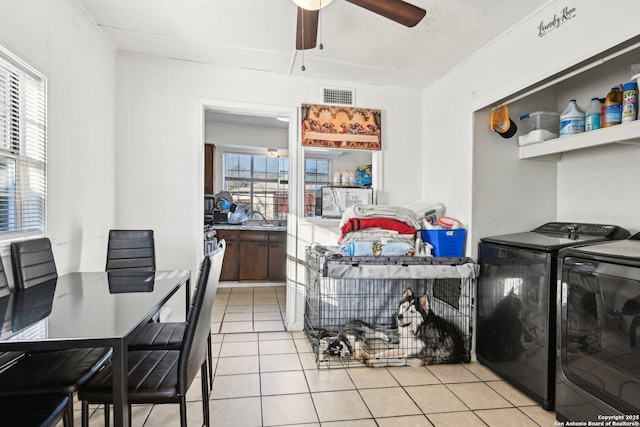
<point x="265" y="376"/>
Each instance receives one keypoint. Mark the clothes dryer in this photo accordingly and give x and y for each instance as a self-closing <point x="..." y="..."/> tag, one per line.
<point x="516" y="317"/>
<point x="598" y="334"/>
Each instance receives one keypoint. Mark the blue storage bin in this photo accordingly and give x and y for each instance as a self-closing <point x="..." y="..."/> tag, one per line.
<point x="446" y="243"/>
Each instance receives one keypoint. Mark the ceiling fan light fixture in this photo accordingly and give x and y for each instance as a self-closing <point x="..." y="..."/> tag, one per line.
<point x="312" y="4"/>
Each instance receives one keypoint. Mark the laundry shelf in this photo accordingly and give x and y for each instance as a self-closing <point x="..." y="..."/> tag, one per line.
<point x="628" y="133"/>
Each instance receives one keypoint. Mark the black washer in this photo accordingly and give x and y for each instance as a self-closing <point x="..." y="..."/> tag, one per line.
<point x="516" y="319"/>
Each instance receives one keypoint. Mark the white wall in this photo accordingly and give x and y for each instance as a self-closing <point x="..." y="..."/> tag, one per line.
<point x="252" y="136"/>
<point x="257" y="140"/>
<point x="234" y="138"/>
<point x="159" y="151"/>
<point x="506" y="66"/>
<point x="600" y="185"/>
<point x="57" y="39"/>
<point x="160" y="135"/>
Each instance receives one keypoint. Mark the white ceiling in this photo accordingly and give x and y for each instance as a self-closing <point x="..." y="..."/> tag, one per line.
<point x="260" y="34"/>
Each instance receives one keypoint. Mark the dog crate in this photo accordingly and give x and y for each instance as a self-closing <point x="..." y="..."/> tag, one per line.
<point x="341" y="289"/>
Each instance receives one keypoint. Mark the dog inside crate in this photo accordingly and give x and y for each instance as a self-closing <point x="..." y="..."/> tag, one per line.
<point x="386" y="324"/>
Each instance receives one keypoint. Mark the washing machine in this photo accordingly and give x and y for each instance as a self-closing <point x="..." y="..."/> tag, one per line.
<point x="598" y="334"/>
<point x="516" y="294"/>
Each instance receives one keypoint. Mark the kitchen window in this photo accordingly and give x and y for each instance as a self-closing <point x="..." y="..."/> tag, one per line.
<point x="22" y="149"/>
<point x="262" y="183"/>
<point x="316" y="174"/>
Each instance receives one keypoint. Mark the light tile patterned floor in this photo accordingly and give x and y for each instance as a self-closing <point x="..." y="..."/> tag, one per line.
<point x="265" y="376"/>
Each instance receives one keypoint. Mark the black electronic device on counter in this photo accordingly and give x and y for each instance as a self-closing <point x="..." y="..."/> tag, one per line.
<point x="220" y="217"/>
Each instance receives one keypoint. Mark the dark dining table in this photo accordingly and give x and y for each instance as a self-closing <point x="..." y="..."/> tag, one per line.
<point x="96" y="309"/>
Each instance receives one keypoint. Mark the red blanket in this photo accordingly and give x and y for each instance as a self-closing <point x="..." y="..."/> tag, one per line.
<point x="355" y="224"/>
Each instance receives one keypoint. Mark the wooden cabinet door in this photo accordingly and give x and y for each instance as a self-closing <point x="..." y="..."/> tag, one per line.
<point x="230" y="262"/>
<point x="278" y="256"/>
<point x="277" y="262"/>
<point x="253" y="255"/>
<point x="229" y="270"/>
<point x="253" y="260"/>
<point x="209" y="151"/>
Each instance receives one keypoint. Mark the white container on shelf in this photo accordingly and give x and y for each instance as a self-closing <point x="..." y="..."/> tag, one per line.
<point x="571" y="119"/>
<point x="539" y="126"/>
<point x="593" y="115"/>
<point x="337" y="177"/>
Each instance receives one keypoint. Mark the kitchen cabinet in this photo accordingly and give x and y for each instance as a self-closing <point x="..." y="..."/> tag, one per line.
<point x="277" y="256"/>
<point x="209" y="151"/>
<point x="254" y="255"/>
<point x="230" y="263"/>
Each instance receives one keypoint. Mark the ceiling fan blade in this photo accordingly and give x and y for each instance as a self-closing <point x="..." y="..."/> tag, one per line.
<point x="397" y="10"/>
<point x="307" y="29"/>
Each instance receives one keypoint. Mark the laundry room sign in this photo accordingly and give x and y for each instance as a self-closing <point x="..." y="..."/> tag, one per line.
<point x="565" y="15"/>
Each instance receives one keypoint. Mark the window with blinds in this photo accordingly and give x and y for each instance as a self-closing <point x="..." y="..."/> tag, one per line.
<point x="22" y="149"/>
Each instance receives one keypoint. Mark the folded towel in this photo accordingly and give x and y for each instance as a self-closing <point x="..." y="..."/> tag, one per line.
<point x="355" y="224"/>
<point x="383" y="211"/>
<point x="376" y="235"/>
<point x="378" y="249"/>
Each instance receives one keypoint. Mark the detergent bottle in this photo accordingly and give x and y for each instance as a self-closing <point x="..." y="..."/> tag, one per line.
<point x="571" y="119"/>
<point x="612" y="108"/>
<point x="630" y="102"/>
<point x="593" y="115"/>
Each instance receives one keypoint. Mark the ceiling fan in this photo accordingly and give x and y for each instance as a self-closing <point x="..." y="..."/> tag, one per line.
<point x="308" y="10"/>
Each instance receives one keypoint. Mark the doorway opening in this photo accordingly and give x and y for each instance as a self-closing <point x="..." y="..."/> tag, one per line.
<point x="248" y="189"/>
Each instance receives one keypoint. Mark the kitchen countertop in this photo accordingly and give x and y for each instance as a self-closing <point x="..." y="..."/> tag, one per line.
<point x="253" y="226"/>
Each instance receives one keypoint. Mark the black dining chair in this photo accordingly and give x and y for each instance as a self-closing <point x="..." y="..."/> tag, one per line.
<point x="32" y="262"/>
<point x="30" y="376"/>
<point x="36" y="411"/>
<point x="43" y="372"/>
<point x="5" y="289"/>
<point x="168" y="336"/>
<point x="164" y="376"/>
<point x="131" y="250"/>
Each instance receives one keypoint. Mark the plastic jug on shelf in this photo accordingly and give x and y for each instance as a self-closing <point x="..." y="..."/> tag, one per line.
<point x="593" y="115"/>
<point x="571" y="119"/>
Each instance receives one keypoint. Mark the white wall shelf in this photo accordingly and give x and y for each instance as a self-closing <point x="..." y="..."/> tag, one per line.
<point x="628" y="133"/>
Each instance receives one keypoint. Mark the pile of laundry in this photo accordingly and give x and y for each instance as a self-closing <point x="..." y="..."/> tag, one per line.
<point x="380" y="230"/>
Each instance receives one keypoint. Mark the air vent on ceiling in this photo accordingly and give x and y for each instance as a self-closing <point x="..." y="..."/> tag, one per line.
<point x="338" y="96"/>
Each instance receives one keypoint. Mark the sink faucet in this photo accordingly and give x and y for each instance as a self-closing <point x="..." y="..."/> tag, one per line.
<point x="261" y="215"/>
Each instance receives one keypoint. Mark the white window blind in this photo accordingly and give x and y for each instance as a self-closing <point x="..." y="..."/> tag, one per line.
<point x="22" y="149"/>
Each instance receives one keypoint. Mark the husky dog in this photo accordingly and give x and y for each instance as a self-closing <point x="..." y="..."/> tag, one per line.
<point x="350" y="340"/>
<point x="422" y="335"/>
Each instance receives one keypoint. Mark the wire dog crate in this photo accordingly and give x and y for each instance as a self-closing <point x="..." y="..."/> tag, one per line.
<point x="342" y="289"/>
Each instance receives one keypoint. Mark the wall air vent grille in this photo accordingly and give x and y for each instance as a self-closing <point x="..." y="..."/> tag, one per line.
<point x="338" y="96"/>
